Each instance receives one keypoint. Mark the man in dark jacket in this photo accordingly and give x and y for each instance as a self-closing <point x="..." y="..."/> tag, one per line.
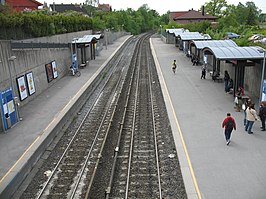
<point x="228" y="124"/>
<point x="262" y="114"/>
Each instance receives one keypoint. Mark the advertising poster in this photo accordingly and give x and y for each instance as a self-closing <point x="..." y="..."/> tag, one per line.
<point x="22" y="88"/>
<point x="30" y="83"/>
<point x="54" y="67"/>
<point x="263" y="94"/>
<point x="49" y="72"/>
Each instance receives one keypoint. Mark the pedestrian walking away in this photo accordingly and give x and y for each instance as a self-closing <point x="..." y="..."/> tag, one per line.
<point x="228" y="124"/>
<point x="251" y="118"/>
<point x="262" y="115"/>
<point x="203" y="72"/>
<point x="174" y="66"/>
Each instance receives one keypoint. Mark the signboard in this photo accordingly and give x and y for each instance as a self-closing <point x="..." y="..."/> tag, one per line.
<point x="22" y="89"/>
<point x="263" y="94"/>
<point x="7" y="108"/>
<point x="74" y="61"/>
<point x="49" y="72"/>
<point x="30" y="83"/>
<point x="54" y="68"/>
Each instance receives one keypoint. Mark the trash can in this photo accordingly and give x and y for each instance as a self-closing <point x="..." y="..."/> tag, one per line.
<point x="8" y="121"/>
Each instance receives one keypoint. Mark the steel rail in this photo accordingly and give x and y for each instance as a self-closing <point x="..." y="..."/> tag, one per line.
<point x="116" y="150"/>
<point x="73" y="138"/>
<point x="154" y="128"/>
<point x="133" y="125"/>
<point x="96" y="136"/>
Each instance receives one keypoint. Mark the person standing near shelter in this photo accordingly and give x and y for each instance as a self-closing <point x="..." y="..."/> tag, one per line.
<point x="226" y="80"/>
<point x="246" y="105"/>
<point x="203" y="72"/>
<point x="174" y="66"/>
<point x="228" y="124"/>
<point x="251" y="118"/>
<point x="262" y="115"/>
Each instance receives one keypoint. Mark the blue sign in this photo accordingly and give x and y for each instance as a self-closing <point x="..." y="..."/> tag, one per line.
<point x="8" y="108"/>
<point x="74" y="64"/>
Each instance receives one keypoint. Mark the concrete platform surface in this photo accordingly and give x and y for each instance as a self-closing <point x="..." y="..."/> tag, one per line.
<point x="196" y="109"/>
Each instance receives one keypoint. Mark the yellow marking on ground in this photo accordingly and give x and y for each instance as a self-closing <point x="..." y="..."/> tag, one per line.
<point x="179" y="129"/>
<point x="19" y="159"/>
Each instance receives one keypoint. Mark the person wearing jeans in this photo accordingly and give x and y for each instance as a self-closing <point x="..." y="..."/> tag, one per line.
<point x="251" y="118"/>
<point x="228" y="124"/>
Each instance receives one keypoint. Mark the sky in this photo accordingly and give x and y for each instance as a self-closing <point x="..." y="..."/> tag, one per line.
<point x="159" y="5"/>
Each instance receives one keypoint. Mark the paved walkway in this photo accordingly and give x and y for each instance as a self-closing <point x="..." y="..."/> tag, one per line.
<point x="196" y="108"/>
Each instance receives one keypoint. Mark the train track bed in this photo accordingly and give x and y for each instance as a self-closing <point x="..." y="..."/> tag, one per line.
<point x="120" y="144"/>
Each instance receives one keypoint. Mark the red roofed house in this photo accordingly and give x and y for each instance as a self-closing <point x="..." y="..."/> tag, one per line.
<point x="105" y="7"/>
<point x="21" y="5"/>
<point x="185" y="17"/>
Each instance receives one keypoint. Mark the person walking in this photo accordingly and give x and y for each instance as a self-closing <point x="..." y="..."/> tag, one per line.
<point x="228" y="124"/>
<point x="226" y="80"/>
<point x="251" y="118"/>
<point x="262" y="115"/>
<point x="203" y="72"/>
<point x="174" y="66"/>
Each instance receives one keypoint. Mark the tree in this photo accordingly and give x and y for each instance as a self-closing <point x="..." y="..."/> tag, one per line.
<point x="215" y="7"/>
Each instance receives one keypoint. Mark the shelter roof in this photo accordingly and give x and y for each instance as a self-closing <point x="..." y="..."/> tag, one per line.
<point x="188" y="36"/>
<point x="176" y="30"/>
<point x="87" y="39"/>
<point x="236" y="53"/>
<point x="214" y="43"/>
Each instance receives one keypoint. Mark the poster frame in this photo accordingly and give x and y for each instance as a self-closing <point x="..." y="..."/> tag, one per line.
<point x="54" y="68"/>
<point x="49" y="72"/>
<point x="23" y="94"/>
<point x="31" y="86"/>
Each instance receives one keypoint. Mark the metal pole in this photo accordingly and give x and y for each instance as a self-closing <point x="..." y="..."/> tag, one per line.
<point x="12" y="58"/>
<point x="262" y="77"/>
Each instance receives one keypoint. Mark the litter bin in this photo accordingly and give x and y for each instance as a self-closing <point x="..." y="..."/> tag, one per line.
<point x="8" y="121"/>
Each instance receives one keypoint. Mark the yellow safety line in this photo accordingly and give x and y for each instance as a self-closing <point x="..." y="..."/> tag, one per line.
<point x="2" y="179"/>
<point x="19" y="159"/>
<point x="180" y="132"/>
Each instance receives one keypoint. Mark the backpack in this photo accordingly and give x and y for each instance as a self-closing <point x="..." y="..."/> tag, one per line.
<point x="230" y="124"/>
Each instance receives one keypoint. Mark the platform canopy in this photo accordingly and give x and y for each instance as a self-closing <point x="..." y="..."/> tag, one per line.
<point x="176" y="30"/>
<point x="214" y="43"/>
<point x="86" y="39"/>
<point x="235" y="53"/>
<point x="188" y="36"/>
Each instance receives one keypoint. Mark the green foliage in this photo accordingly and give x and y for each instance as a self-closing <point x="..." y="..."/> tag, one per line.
<point x="38" y="24"/>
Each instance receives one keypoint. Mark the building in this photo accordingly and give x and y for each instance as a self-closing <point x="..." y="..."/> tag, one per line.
<point x="105" y="7"/>
<point x="22" y="5"/>
<point x="68" y="7"/>
<point x="184" y="17"/>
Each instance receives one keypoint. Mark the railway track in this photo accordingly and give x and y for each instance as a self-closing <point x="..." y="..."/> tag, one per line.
<point x="120" y="147"/>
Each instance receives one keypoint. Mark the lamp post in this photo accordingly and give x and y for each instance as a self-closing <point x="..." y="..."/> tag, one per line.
<point x="11" y="59"/>
<point x="261" y="50"/>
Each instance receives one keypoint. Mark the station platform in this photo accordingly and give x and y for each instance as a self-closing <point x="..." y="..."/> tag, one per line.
<point x="196" y="109"/>
<point x="41" y="115"/>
